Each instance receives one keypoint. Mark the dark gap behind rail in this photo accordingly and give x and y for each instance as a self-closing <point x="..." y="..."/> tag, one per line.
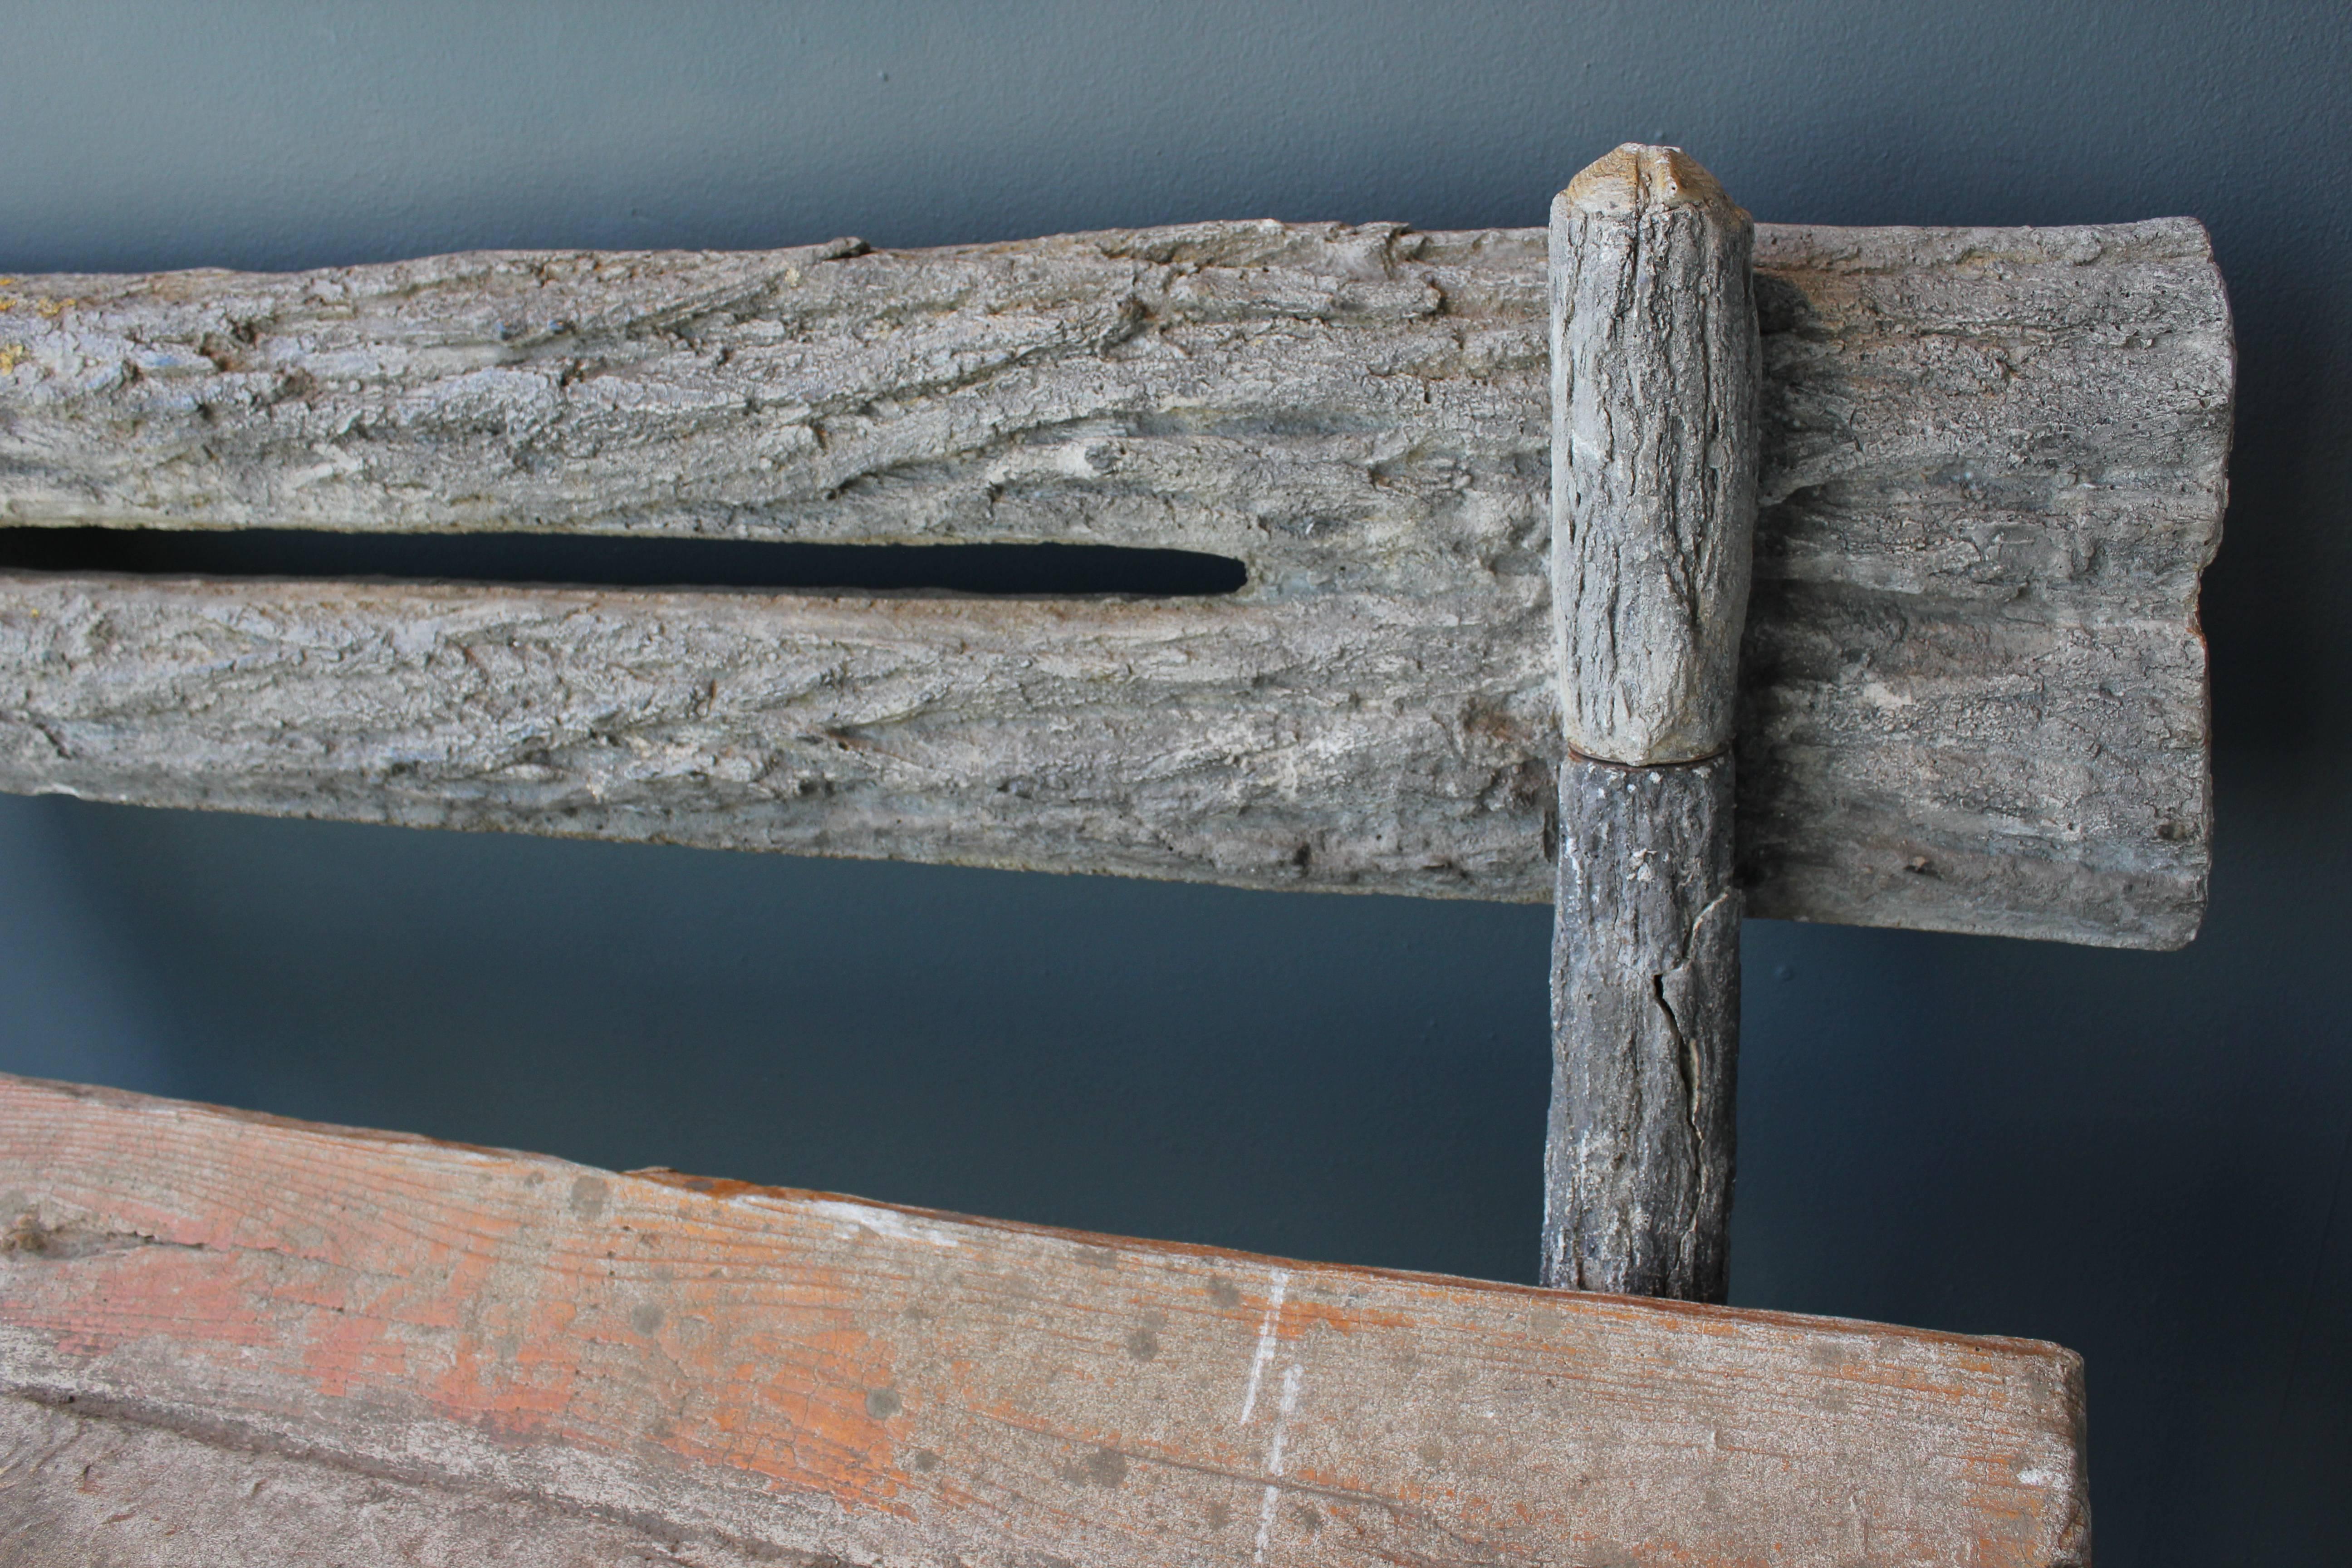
<point x="606" y="561"/>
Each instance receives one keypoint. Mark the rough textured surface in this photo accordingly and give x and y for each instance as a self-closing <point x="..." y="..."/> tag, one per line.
<point x="1653" y="515"/>
<point x="727" y="1372"/>
<point x="1973" y="678"/>
<point x="1654" y="394"/>
<point x="1975" y="688"/>
<point x="1646" y="1033"/>
<point x="1241" y="743"/>
<point x="84" y="1491"/>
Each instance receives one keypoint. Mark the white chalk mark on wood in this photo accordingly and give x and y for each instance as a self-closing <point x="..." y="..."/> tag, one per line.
<point x="1265" y="1339"/>
<point x="1282" y="1410"/>
<point x="886" y="1223"/>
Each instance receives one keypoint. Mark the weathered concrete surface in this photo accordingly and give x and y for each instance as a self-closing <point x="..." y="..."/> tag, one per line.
<point x="1655" y="364"/>
<point x="1655" y="459"/>
<point x="1639" y="1148"/>
<point x="1974" y="688"/>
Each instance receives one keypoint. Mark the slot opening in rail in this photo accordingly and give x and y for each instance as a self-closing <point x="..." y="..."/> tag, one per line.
<point x="613" y="561"/>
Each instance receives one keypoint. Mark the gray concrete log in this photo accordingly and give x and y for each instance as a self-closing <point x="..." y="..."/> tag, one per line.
<point x="1654" y="453"/>
<point x="1646" y="1033"/>
<point x="1973" y="696"/>
<point x="1654" y="368"/>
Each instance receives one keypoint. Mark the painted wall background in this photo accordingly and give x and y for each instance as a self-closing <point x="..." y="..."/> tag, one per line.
<point x="2141" y="1155"/>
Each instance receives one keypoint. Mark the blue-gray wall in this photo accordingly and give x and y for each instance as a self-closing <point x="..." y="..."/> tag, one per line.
<point x="2143" y="1156"/>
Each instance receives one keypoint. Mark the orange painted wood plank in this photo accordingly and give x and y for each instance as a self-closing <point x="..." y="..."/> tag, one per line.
<point x="229" y="1302"/>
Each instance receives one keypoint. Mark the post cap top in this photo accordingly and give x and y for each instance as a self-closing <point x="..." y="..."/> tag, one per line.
<point x="1636" y="175"/>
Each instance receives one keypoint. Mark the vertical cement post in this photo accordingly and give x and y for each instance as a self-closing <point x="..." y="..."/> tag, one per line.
<point x="1655" y="371"/>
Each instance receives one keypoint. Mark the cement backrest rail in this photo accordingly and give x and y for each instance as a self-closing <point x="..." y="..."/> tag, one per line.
<point x="1973" y="688"/>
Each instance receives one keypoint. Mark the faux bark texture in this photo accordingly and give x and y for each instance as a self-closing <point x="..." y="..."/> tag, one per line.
<point x="1654" y="394"/>
<point x="1974" y="690"/>
<point x="230" y="1338"/>
<point x="1646" y="1033"/>
<point x="1654" y="514"/>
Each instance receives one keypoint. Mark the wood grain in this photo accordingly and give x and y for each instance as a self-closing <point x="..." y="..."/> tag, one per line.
<point x="481" y="1342"/>
<point x="88" y="1491"/>
<point x="1974" y="686"/>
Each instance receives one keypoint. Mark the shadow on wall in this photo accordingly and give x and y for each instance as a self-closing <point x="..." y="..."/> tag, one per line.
<point x="76" y="1000"/>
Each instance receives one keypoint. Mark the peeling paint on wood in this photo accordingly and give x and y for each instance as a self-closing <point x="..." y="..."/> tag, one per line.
<point x="218" y="1330"/>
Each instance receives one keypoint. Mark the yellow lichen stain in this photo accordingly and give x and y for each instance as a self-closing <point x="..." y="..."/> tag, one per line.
<point x="51" y="309"/>
<point x="11" y="356"/>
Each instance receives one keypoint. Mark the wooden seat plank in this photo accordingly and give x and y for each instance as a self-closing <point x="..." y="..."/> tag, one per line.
<point x="509" y="1357"/>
